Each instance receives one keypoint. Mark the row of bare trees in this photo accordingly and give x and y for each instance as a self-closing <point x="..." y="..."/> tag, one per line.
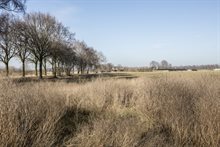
<point x="41" y="39"/>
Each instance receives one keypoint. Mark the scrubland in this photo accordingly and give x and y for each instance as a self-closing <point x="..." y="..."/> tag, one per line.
<point x="167" y="110"/>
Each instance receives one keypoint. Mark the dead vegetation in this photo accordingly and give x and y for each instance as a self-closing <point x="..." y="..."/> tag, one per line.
<point x="166" y="111"/>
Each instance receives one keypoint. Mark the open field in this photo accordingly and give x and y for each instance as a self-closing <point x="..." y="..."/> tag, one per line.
<point x="112" y="110"/>
<point x="103" y="73"/>
<point x="110" y="75"/>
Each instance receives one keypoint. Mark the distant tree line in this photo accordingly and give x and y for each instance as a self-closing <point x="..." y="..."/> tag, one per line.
<point x="198" y="67"/>
<point x="160" y="65"/>
<point x="154" y="65"/>
<point x="166" y="65"/>
<point x="41" y="39"/>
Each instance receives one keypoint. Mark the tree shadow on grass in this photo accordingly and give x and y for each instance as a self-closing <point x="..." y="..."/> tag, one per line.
<point x="70" y="122"/>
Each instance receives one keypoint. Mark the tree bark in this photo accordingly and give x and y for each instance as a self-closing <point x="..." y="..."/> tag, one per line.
<point x="36" y="70"/>
<point x="68" y="72"/>
<point x="88" y="70"/>
<point x="45" y="67"/>
<point x="81" y="70"/>
<point x="40" y="69"/>
<point x="7" y="69"/>
<point x="59" y="69"/>
<point x="23" y="68"/>
<point x="78" y="70"/>
<point x="54" y="69"/>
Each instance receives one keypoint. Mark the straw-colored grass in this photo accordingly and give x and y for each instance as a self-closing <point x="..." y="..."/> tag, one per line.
<point x="175" y="110"/>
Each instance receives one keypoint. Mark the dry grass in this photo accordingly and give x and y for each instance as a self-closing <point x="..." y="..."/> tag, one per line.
<point x="170" y="110"/>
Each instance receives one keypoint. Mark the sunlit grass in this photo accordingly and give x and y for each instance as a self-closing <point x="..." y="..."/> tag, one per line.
<point x="152" y="109"/>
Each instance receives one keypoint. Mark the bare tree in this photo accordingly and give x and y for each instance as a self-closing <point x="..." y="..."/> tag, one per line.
<point x="7" y="49"/>
<point x="54" y="52"/>
<point x="87" y="57"/>
<point x="81" y="55"/>
<point x="96" y="59"/>
<point x="34" y="60"/>
<point x="21" y="43"/>
<point x="91" y="58"/>
<point x="61" y="41"/>
<point x="109" y="67"/>
<point x="154" y="64"/>
<point x="45" y="66"/>
<point x="69" y="59"/>
<point x="164" y="64"/>
<point x="13" y="5"/>
<point x="40" y="30"/>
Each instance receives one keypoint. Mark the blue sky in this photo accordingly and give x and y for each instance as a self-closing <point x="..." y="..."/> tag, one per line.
<point x="135" y="32"/>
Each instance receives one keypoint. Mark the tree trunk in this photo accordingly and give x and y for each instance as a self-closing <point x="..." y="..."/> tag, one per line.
<point x="45" y="67"/>
<point x="23" y="68"/>
<point x="40" y="69"/>
<point x="78" y="70"/>
<point x="54" y="69"/>
<point x="7" y="69"/>
<point x="59" y="70"/>
<point x="73" y="69"/>
<point x="88" y="70"/>
<point x="68" y="72"/>
<point x="81" y="70"/>
<point x="36" y="70"/>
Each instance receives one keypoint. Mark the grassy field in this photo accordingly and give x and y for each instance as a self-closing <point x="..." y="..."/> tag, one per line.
<point x="112" y="110"/>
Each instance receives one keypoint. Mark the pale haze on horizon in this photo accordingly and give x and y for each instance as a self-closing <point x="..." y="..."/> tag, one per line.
<point x="135" y="32"/>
